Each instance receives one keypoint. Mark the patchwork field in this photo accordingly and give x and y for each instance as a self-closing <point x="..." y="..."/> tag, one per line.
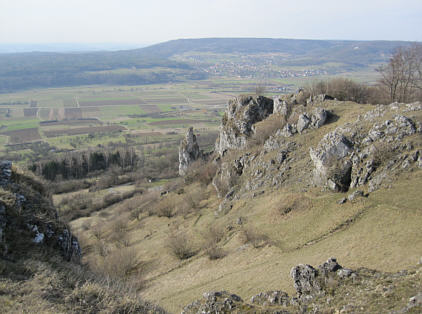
<point x="23" y="135"/>
<point x="87" y="130"/>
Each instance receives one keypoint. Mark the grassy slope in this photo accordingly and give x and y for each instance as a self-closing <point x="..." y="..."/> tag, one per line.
<point x="377" y="232"/>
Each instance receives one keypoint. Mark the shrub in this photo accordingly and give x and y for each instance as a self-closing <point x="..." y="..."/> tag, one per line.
<point x="180" y="246"/>
<point x="252" y="236"/>
<point x="266" y="128"/>
<point x="119" y="263"/>
<point x="214" y="252"/>
<point x="165" y="208"/>
<point x="111" y="198"/>
<point x="201" y="171"/>
<point x="212" y="236"/>
<point x="341" y="88"/>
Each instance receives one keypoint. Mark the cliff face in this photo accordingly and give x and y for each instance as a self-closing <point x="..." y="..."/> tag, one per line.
<point x="27" y="217"/>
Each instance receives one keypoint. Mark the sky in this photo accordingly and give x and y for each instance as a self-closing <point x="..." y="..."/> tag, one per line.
<point x="153" y="21"/>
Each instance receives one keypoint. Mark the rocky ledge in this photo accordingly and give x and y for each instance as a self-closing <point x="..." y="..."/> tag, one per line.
<point x="27" y="217"/>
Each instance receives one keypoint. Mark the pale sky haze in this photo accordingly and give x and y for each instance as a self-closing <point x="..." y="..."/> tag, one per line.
<point x="140" y="21"/>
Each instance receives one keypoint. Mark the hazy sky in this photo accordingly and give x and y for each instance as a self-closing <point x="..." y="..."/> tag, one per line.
<point x="140" y="21"/>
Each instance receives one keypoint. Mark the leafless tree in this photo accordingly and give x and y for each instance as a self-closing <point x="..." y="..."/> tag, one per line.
<point x="402" y="75"/>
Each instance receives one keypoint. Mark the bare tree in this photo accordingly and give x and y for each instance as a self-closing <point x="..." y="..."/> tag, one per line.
<point x="402" y="76"/>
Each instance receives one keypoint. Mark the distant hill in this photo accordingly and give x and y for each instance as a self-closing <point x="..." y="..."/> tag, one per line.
<point x="46" y="69"/>
<point x="329" y="49"/>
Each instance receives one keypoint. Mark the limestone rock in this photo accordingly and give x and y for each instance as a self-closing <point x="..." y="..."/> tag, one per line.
<point x="330" y="266"/>
<point x="319" y="117"/>
<point x="318" y="98"/>
<point x="332" y="167"/>
<point x="214" y="302"/>
<point x="303" y="122"/>
<point x="305" y="279"/>
<point x="355" y="195"/>
<point x="271" y="298"/>
<point x="188" y="151"/>
<point x="239" y="119"/>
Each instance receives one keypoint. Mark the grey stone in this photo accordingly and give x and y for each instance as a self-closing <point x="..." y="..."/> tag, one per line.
<point x="319" y="117"/>
<point x="355" y="195"/>
<point x="188" y="151"/>
<point x="303" y="122"/>
<point x="342" y="201"/>
<point x="214" y="302"/>
<point x="344" y="272"/>
<point x="332" y="168"/>
<point x="270" y="298"/>
<point x="239" y="119"/>
<point x="305" y="279"/>
<point x="330" y="266"/>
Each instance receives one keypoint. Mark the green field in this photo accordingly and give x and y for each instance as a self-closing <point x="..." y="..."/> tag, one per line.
<point x="155" y="109"/>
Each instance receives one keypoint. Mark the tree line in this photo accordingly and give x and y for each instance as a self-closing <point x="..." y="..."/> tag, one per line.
<point x="78" y="165"/>
<point x="400" y="81"/>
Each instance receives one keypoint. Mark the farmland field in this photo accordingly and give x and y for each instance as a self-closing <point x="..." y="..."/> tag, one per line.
<point x="23" y="135"/>
<point x="87" y="130"/>
<point x="110" y="102"/>
<point x="82" y="117"/>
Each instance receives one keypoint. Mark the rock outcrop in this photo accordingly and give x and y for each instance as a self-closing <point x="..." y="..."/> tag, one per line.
<point x="331" y="164"/>
<point x="352" y="156"/>
<point x="239" y="119"/>
<point x="23" y="197"/>
<point x="188" y="151"/>
<point x="328" y="288"/>
<point x="215" y="302"/>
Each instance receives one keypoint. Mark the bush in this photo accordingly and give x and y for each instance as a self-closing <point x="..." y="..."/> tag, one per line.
<point x="201" y="171"/>
<point x="165" y="208"/>
<point x="252" y="236"/>
<point x="266" y="128"/>
<point x="214" y="252"/>
<point x="212" y="236"/>
<point x="342" y="89"/>
<point x="180" y="247"/>
<point x="119" y="263"/>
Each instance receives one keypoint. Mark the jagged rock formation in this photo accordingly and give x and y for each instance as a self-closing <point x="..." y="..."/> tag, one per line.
<point x="215" y="302"/>
<point x="363" y="152"/>
<point x="27" y="215"/>
<point x="351" y="156"/>
<point x="239" y="119"/>
<point x="329" y="288"/>
<point x="188" y="151"/>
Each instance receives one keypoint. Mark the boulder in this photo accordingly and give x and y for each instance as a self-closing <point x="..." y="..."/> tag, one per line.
<point x="319" y="117"/>
<point x="188" y="151"/>
<point x="331" y="161"/>
<point x="305" y="279"/>
<point x="303" y="122"/>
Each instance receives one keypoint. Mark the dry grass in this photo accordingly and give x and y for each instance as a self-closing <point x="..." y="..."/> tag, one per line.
<point x="265" y="129"/>
<point x="254" y="237"/>
<point x="315" y="228"/>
